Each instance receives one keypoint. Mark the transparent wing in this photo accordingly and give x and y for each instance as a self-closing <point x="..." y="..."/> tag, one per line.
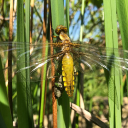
<point x="39" y="55"/>
<point x="90" y="58"/>
<point x="86" y="57"/>
<point x="94" y="57"/>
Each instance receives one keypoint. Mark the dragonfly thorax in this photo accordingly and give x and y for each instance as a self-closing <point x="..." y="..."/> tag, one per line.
<point x="64" y="37"/>
<point x="66" y="47"/>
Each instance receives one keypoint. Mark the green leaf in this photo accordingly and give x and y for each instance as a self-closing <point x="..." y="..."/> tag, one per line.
<point x="23" y="90"/>
<point x="57" y="10"/>
<point x="113" y="79"/>
<point x="27" y="57"/>
<point x="63" y="107"/>
<point x="97" y="3"/>
<point x="5" y="113"/>
<point x="122" y="13"/>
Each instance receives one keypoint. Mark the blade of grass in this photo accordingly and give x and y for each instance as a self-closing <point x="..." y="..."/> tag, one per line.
<point x="10" y="58"/>
<point x="31" y="24"/>
<point x="27" y="56"/>
<point x="122" y="13"/>
<point x="67" y="15"/>
<point x="80" y="75"/>
<point x="44" y="68"/>
<point x="57" y="10"/>
<point x="57" y="13"/>
<point x="113" y="80"/>
<point x="82" y="18"/>
<point x="22" y="103"/>
<point x="54" y="101"/>
<point x="5" y="113"/>
<point x="117" y="73"/>
<point x="63" y="107"/>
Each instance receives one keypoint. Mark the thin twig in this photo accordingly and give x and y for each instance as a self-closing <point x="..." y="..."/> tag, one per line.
<point x="2" y="13"/>
<point x="6" y="18"/>
<point x="54" y="101"/>
<point x="87" y="115"/>
<point x="31" y="21"/>
<point x="38" y="14"/>
<point x="10" y="58"/>
<point x="44" y="53"/>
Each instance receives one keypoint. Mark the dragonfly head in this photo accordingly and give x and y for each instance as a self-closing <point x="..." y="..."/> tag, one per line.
<point x="60" y="28"/>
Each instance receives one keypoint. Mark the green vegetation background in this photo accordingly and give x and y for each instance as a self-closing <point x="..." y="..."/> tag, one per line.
<point x="93" y="31"/>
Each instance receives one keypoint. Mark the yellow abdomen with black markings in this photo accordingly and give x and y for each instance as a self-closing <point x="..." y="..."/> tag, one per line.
<point x="68" y="74"/>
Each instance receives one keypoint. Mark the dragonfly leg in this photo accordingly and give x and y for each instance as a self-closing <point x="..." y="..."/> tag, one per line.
<point x="75" y="73"/>
<point x="59" y="83"/>
<point x="75" y="45"/>
<point x="53" y="33"/>
<point x="58" y="88"/>
<point x="58" y="44"/>
<point x="53" y="36"/>
<point x="57" y="55"/>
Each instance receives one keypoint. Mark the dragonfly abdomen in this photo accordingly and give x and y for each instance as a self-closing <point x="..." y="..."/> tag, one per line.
<point x="68" y="74"/>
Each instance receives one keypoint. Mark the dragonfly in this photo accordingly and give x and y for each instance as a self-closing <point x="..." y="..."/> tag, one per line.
<point x="70" y="56"/>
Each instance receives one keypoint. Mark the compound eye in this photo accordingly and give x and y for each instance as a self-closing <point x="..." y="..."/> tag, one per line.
<point x="64" y="29"/>
<point x="60" y="28"/>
